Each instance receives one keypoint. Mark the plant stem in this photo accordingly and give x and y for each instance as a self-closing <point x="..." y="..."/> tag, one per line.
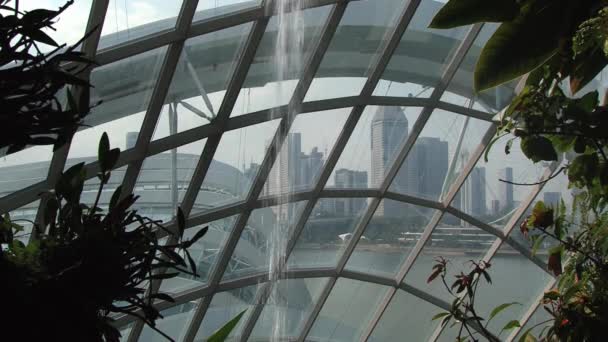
<point x="537" y="183"/>
<point x="597" y="262"/>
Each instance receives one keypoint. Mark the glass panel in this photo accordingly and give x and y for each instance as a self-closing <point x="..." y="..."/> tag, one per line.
<point x="442" y="150"/>
<point x="348" y="309"/>
<point x="539" y="322"/>
<point x="297" y="169"/>
<point x="407" y="317"/>
<point x="271" y="81"/>
<point x="207" y="9"/>
<point x="24" y="168"/>
<point x="389" y="237"/>
<point x="224" y="307"/>
<point x="362" y="32"/>
<point x="164" y="179"/>
<point x="421" y="57"/>
<point x="200" y="80"/>
<point x="204" y="252"/>
<point x="456" y="240"/>
<point x="288" y="307"/>
<point x="129" y="20"/>
<point x="174" y="323"/>
<point x="262" y="242"/>
<point x="485" y="197"/>
<point x="327" y="232"/>
<point x="373" y="147"/>
<point x="508" y="268"/>
<point x="124" y="89"/>
<point x="235" y="165"/>
<point x="460" y="90"/>
<point x="70" y="26"/>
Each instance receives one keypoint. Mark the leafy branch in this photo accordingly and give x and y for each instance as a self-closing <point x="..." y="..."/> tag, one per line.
<point x="463" y="309"/>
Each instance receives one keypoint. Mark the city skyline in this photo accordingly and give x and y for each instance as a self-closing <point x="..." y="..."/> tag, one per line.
<point x="422" y="174"/>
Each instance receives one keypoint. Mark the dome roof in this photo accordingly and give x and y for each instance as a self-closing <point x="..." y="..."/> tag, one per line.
<point x="208" y="82"/>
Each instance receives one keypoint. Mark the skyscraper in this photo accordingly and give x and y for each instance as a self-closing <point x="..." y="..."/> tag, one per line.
<point x="552" y="198"/>
<point x="287" y="171"/>
<point x="389" y="130"/>
<point x="349" y="179"/>
<point x="474" y="193"/>
<point x="425" y="168"/>
<point x="505" y="190"/>
<point x="310" y="164"/>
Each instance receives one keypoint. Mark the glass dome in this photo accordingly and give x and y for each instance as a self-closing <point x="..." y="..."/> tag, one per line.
<point x="359" y="163"/>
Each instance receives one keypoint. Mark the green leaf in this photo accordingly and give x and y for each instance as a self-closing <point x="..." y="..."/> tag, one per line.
<point x="72" y="104"/>
<point x="583" y="168"/>
<point x="511" y="325"/>
<point x="115" y="197"/>
<point x="50" y="212"/>
<point x="589" y="101"/>
<point x="162" y="296"/>
<point x="538" y="240"/>
<point x="192" y="264"/>
<point x="519" y="46"/>
<point x="102" y="151"/>
<point x="439" y="315"/>
<point x="486" y="276"/>
<point x="222" y="333"/>
<point x="542" y="216"/>
<point x="464" y="12"/>
<point x="40" y="36"/>
<point x="586" y="68"/>
<point x="554" y="264"/>
<point x="112" y="158"/>
<point x="164" y="275"/>
<point x="199" y="234"/>
<point x="434" y="275"/>
<point x="499" y="309"/>
<point x="181" y="221"/>
<point x="538" y="148"/>
<point x="38" y="15"/>
<point x="527" y="336"/>
<point x="70" y="183"/>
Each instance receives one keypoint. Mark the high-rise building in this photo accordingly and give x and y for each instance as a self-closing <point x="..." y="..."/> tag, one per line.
<point x="287" y="171"/>
<point x="389" y="130"/>
<point x="505" y="190"/>
<point x="349" y="179"/>
<point x="310" y="164"/>
<point x="495" y="207"/>
<point x="473" y="198"/>
<point x="552" y="198"/>
<point x="425" y="168"/>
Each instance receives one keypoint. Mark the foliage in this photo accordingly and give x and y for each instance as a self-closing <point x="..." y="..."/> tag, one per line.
<point x="463" y="310"/>
<point x="550" y="120"/>
<point x="36" y="88"/>
<point x="86" y="263"/>
<point x="579" y="303"/>
<point x="528" y="37"/>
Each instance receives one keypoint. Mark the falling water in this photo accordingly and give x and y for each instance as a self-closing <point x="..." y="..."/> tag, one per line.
<point x="288" y="60"/>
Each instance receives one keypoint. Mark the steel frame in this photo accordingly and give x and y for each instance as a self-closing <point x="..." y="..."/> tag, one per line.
<point x="174" y="38"/>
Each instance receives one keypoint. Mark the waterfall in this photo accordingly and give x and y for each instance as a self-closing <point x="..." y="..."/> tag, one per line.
<point x="288" y="59"/>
